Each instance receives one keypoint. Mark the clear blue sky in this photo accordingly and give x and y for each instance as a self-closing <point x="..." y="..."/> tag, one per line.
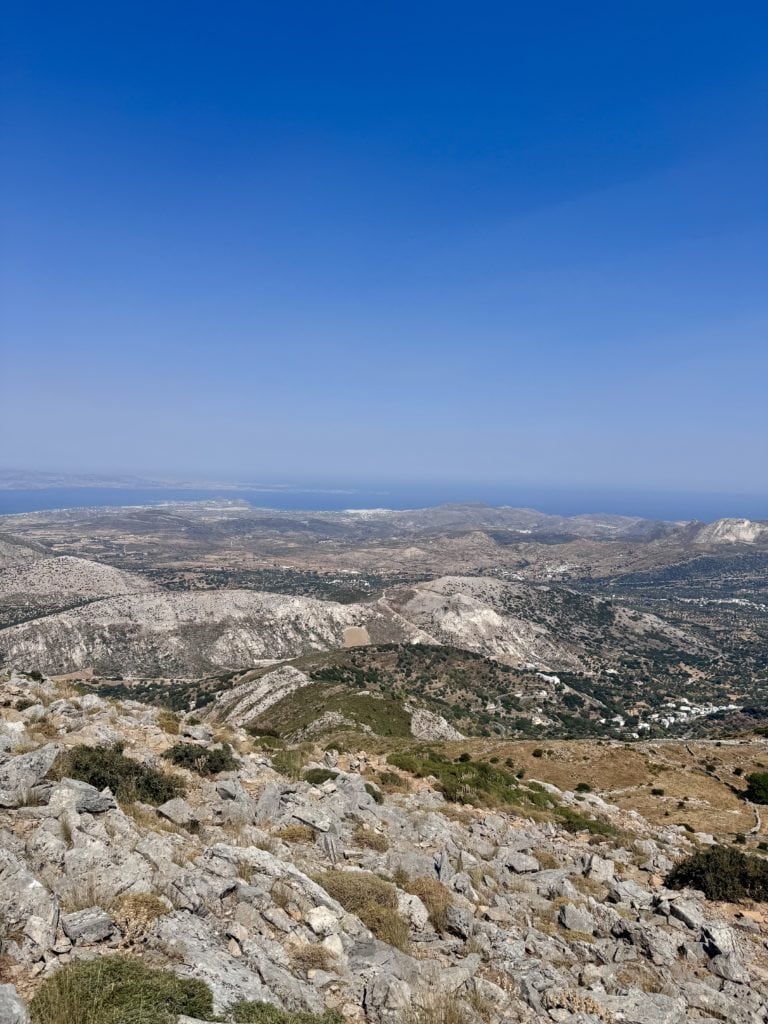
<point x="338" y="241"/>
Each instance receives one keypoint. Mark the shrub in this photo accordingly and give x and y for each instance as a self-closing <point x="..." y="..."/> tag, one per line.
<point x="311" y="957"/>
<point x="245" y="1012"/>
<point x="372" y="899"/>
<point x="129" y="780"/>
<point x="370" y="840"/>
<point x="572" y="821"/>
<point x="464" y="757"/>
<point x="583" y="787"/>
<point x="538" y="752"/>
<point x="289" y="763"/>
<point x="657" y="792"/>
<point x="463" y="781"/>
<point x="435" y="897"/>
<point x="296" y="833"/>
<point x="168" y="721"/>
<point x="376" y="794"/>
<point x="136" y="911"/>
<point x="118" y="990"/>
<point x="392" y="780"/>
<point x="200" y="759"/>
<point x="757" y="787"/>
<point x="722" y="873"/>
<point x="316" y="776"/>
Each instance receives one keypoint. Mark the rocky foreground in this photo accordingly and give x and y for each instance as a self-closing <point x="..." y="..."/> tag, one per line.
<point x="359" y="889"/>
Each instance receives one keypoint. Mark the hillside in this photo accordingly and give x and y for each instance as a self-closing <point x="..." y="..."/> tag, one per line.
<point x="198" y="633"/>
<point x="46" y="585"/>
<point x="459" y="883"/>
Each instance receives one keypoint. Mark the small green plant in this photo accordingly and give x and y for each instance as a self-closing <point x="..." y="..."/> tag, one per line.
<point x="657" y="792"/>
<point x="376" y="794"/>
<point x="204" y="761"/>
<point x="583" y="787"/>
<point x="118" y="990"/>
<point x="108" y="767"/>
<point x="316" y="776"/>
<point x="246" y="1012"/>
<point x="538" y="752"/>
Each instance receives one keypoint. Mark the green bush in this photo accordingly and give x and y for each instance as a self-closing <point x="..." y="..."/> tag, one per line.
<point x="757" y="787"/>
<point x="372" y="791"/>
<point x="202" y="760"/>
<point x="118" y="990"/>
<point x="474" y="782"/>
<point x="108" y="767"/>
<point x="246" y="1012"/>
<point x="572" y="821"/>
<point x="583" y="787"/>
<point x="319" y="775"/>
<point x="722" y="873"/>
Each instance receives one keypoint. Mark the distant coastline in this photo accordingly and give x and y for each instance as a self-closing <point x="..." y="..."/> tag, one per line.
<point x="668" y="506"/>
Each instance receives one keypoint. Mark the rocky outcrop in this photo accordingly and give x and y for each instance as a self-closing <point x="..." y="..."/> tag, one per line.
<point x="426" y="725"/>
<point x="237" y="884"/>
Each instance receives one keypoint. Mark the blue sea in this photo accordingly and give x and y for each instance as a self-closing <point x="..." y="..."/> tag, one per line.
<point x="652" y="505"/>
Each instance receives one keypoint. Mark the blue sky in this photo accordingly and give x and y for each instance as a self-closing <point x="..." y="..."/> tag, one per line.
<point x="337" y="242"/>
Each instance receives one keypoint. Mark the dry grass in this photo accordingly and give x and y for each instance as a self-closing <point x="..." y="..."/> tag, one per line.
<point x="312" y="957"/>
<point x="547" y="860"/>
<point x="625" y="774"/>
<point x="83" y="894"/>
<point x="168" y="721"/>
<point x="282" y="895"/>
<point x="135" y="912"/>
<point x="433" y="894"/>
<point x="443" y="1008"/>
<point x="369" y="839"/>
<point x="296" y="833"/>
<point x="372" y="899"/>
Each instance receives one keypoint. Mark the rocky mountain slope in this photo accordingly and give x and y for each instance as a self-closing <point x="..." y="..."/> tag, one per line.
<point x="327" y="883"/>
<point x="197" y="633"/>
<point x="47" y="585"/>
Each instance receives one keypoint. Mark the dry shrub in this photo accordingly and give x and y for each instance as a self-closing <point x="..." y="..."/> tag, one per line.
<point x="136" y="911"/>
<point x="440" y="1008"/>
<point x="168" y="722"/>
<point x="370" y="840"/>
<point x="433" y="894"/>
<point x="372" y="899"/>
<point x="296" y="833"/>
<point x="312" y="957"/>
<point x="547" y="860"/>
<point x="282" y="895"/>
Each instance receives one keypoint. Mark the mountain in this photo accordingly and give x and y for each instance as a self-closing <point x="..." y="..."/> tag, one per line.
<point x="198" y="633"/>
<point x="733" y="531"/>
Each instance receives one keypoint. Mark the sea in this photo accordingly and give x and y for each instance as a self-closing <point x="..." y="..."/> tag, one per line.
<point x="676" y="506"/>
